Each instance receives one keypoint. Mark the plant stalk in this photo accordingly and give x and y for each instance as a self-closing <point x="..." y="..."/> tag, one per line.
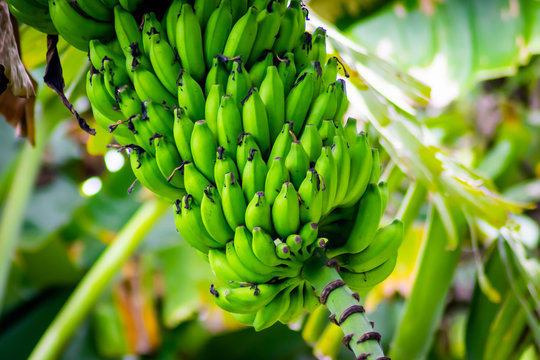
<point x="87" y="292"/>
<point x="342" y="300"/>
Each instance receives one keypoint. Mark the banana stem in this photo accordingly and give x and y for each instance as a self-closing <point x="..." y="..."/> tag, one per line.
<point x="92" y="285"/>
<point x="344" y="308"/>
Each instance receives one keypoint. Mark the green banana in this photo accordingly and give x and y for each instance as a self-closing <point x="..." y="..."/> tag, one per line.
<point x="218" y="74"/>
<point x="365" y="225"/>
<point x="294" y="242"/>
<point x="297" y="162"/>
<point x="301" y="52"/>
<point x="246" y="274"/>
<point x="234" y="204"/>
<point x="217" y="30"/>
<point x="203" y="148"/>
<point x="342" y="157"/>
<point x="363" y="282"/>
<point x="296" y="305"/>
<point x="287" y="31"/>
<point x="308" y="233"/>
<point x="224" y="164"/>
<point x="164" y="61"/>
<point x="269" y="21"/>
<point x="277" y="175"/>
<point x="326" y="168"/>
<point x="312" y="142"/>
<point x="182" y="130"/>
<point x="245" y="145"/>
<point x="147" y="172"/>
<point x="350" y="130"/>
<point x="330" y="71"/>
<point x="150" y="27"/>
<point x="287" y="72"/>
<point x="99" y="51"/>
<point x="318" y="49"/>
<point x="127" y="30"/>
<point x="239" y="7"/>
<point x="259" y="214"/>
<point x="282" y="250"/>
<point x="148" y="87"/>
<point x="238" y="83"/>
<point x="185" y="230"/>
<point x="385" y="244"/>
<point x="255" y="119"/>
<point x="327" y="130"/>
<point x="286" y="211"/>
<point x="299" y="100"/>
<point x="242" y="35"/>
<point x="171" y="20"/>
<point x="194" y="181"/>
<point x="98" y="95"/>
<point x="361" y="168"/>
<point x="221" y="268"/>
<point x="168" y="160"/>
<point x="203" y="10"/>
<point x="342" y="100"/>
<point x="258" y="70"/>
<point x="213" y="218"/>
<point x="248" y="299"/>
<point x="283" y="142"/>
<point x="254" y="174"/>
<point x="211" y="108"/>
<point x="270" y="314"/>
<point x="76" y="28"/>
<point x="311" y="196"/>
<point x="272" y="95"/>
<point x="190" y="96"/>
<point x="324" y="106"/>
<point x="189" y="43"/>
<point x="376" y="169"/>
<point x="130" y="5"/>
<point x="229" y="125"/>
<point x="191" y="215"/>
<point x="161" y="119"/>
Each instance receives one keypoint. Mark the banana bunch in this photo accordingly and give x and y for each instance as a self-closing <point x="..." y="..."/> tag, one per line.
<point x="231" y="110"/>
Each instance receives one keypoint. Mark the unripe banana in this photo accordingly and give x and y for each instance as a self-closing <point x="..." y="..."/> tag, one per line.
<point x="365" y="225"/>
<point x="238" y="83"/>
<point x="282" y="250"/>
<point x="191" y="215"/>
<point x="245" y="145"/>
<point x="255" y="119"/>
<point x="301" y="52"/>
<point x="383" y="187"/>
<point x="324" y="106"/>
<point x="148" y="87"/>
<point x="171" y="20"/>
<point x="294" y="242"/>
<point x="311" y="196"/>
<point x="312" y="142"/>
<point x="203" y="149"/>
<point x="385" y="244"/>
<point x="361" y="168"/>
<point x="326" y="167"/>
<point x="297" y="162"/>
<point x="242" y="35"/>
<point x="269" y="21"/>
<point x="363" y="282"/>
<point x="186" y="231"/>
<point x="98" y="95"/>
<point x="239" y="8"/>
<point x="229" y="125"/>
<point x="259" y="213"/>
<point x="318" y="51"/>
<point x="147" y="172"/>
<point x="189" y="43"/>
<point x="342" y="100"/>
<point x="287" y="72"/>
<point x="342" y="157"/>
<point x="164" y="61"/>
<point x="217" y="30"/>
<point x="277" y="175"/>
<point x="99" y="50"/>
<point x="220" y="266"/>
<point x="213" y="218"/>
<point x="330" y="72"/>
<point x="182" y="130"/>
<point x="213" y="102"/>
<point x="327" y="132"/>
<point x="299" y="100"/>
<point x="254" y="174"/>
<point x="296" y="305"/>
<point x="288" y="31"/>
<point x="130" y="5"/>
<point x="311" y="305"/>
<point x="128" y="101"/>
<point x="350" y="130"/>
<point x="168" y="161"/>
<point x="309" y="233"/>
<point x="376" y="169"/>
<point x="272" y="95"/>
<point x="286" y="211"/>
<point x="223" y="164"/>
<point x="190" y="96"/>
<point x="234" y="203"/>
<point x="114" y="76"/>
<point x="160" y="119"/>
<point x="246" y="274"/>
<point x="218" y="74"/>
<point x="258" y="70"/>
<point x="127" y="30"/>
<point x="150" y="26"/>
<point x="283" y="142"/>
<point x="194" y="181"/>
<point x="203" y="10"/>
<point x="270" y="314"/>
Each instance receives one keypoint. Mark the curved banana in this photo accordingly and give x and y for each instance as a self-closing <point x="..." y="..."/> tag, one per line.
<point x="277" y="175"/>
<point x="327" y="130"/>
<point x="194" y="181"/>
<point x="326" y="168"/>
<point x="287" y="72"/>
<point x="189" y="43"/>
<point x="242" y="35"/>
<point x="168" y="160"/>
<point x="246" y="143"/>
<point x="229" y="125"/>
<point x="296" y="305"/>
<point x="127" y="30"/>
<point x="217" y="30"/>
<point x="363" y="282"/>
<point x="238" y="82"/>
<point x="299" y="101"/>
<point x="342" y="157"/>
<point x="234" y="204"/>
<point x="190" y="95"/>
<point x="182" y="130"/>
<point x="218" y="74"/>
<point x="272" y="95"/>
<point x="297" y="162"/>
<point x="148" y="87"/>
<point x="171" y="20"/>
<point x="255" y="119"/>
<point x="270" y="314"/>
<point x="254" y="174"/>
<point x="361" y="168"/>
<point x="311" y="197"/>
<point x="312" y="142"/>
<point x="258" y="70"/>
<point x="288" y="30"/>
<point x="211" y="108"/>
<point x="269" y="21"/>
<point x="324" y="106"/>
<point x="213" y="218"/>
<point x="223" y="164"/>
<point x="283" y="142"/>
<point x="164" y="61"/>
<point x="203" y="148"/>
<point x="221" y="268"/>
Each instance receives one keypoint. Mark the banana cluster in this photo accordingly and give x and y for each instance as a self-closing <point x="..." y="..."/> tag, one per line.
<point x="232" y="111"/>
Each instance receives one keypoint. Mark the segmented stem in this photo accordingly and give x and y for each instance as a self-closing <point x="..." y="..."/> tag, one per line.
<point x="345" y="309"/>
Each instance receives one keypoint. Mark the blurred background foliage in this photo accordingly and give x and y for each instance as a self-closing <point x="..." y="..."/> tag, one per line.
<point x="457" y="160"/>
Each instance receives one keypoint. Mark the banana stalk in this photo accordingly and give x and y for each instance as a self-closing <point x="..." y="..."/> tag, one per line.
<point x="345" y="309"/>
